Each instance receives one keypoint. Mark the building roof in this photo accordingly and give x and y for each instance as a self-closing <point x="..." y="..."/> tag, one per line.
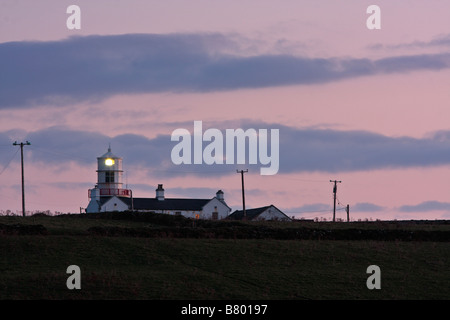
<point x="166" y="204"/>
<point x="109" y="154"/>
<point x="251" y="213"/>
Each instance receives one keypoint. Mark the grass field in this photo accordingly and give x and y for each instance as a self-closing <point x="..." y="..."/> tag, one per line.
<point x="33" y="266"/>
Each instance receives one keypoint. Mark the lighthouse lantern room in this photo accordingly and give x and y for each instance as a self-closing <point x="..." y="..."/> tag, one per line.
<point x="109" y="181"/>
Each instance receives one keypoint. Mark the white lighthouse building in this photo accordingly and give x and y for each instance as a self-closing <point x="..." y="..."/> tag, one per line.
<point x="109" y="182"/>
<point x="109" y="195"/>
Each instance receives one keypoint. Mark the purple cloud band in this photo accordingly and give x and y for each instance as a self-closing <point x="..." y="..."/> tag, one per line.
<point x="92" y="68"/>
<point x="301" y="150"/>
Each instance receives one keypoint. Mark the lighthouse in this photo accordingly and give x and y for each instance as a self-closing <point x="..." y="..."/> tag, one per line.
<point x="108" y="195"/>
<point x="109" y="181"/>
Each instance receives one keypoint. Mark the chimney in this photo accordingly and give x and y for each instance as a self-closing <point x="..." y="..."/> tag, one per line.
<point x="160" y="192"/>
<point x="219" y="195"/>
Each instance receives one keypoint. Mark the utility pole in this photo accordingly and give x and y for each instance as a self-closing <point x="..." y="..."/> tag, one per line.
<point x="243" y="195"/>
<point x="23" y="180"/>
<point x="132" y="202"/>
<point x="348" y="213"/>
<point x="334" y="192"/>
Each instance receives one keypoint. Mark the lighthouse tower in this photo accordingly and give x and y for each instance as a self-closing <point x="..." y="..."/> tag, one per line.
<point x="109" y="181"/>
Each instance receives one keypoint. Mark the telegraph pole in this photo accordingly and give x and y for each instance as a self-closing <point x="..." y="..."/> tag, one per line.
<point x="334" y="192"/>
<point x="243" y="195"/>
<point x="23" y="180"/>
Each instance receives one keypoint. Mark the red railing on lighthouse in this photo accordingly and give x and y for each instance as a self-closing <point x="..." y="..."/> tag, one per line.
<point x="112" y="192"/>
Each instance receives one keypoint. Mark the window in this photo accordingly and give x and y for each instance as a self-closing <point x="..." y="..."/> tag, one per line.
<point x="109" y="176"/>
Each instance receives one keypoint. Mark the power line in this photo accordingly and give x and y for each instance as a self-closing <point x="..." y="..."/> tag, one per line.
<point x="5" y="167"/>
<point x="346" y="208"/>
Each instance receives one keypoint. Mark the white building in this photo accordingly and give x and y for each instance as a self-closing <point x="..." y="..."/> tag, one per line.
<point x="213" y="208"/>
<point x="263" y="213"/>
<point x="108" y="195"/>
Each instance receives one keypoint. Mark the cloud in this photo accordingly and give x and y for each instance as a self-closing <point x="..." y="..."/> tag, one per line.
<point x="92" y="68"/>
<point x="310" y="208"/>
<point x="57" y="146"/>
<point x="301" y="150"/>
<point x="426" y="206"/>
<point x="441" y="41"/>
<point x="366" y="207"/>
<point x="412" y="63"/>
<point x="334" y="151"/>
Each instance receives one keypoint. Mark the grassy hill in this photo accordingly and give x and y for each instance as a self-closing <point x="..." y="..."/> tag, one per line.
<point x="150" y="256"/>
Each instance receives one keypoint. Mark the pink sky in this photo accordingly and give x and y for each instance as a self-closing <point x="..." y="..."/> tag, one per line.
<point x="404" y="104"/>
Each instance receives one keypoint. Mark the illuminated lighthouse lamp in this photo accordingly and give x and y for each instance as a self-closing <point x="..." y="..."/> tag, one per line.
<point x="109" y="162"/>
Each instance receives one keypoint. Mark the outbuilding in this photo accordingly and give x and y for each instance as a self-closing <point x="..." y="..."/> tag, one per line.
<point x="263" y="213"/>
